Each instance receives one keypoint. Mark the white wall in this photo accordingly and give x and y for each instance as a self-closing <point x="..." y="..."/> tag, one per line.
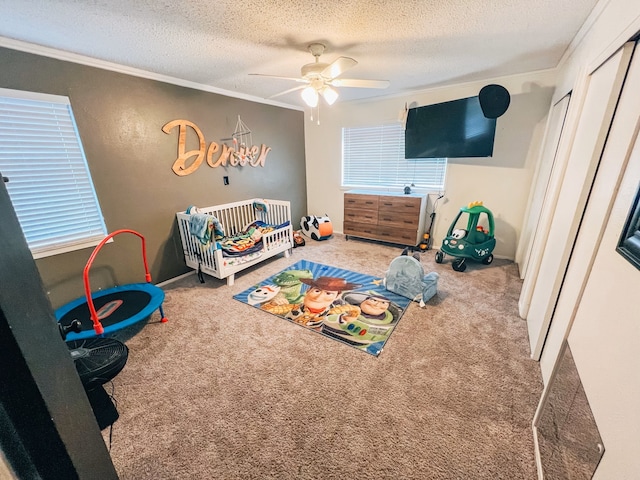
<point x="502" y="181"/>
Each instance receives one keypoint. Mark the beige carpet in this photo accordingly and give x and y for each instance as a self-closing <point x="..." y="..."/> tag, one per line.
<point x="225" y="391"/>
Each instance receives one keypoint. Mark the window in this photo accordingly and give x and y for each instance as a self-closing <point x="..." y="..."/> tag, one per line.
<point x="374" y="157"/>
<point x="49" y="181"/>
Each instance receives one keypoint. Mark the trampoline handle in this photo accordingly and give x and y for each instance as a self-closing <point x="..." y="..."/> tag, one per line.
<point x="97" y="325"/>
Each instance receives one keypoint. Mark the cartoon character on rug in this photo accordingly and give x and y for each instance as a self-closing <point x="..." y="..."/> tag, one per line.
<point x="262" y="294"/>
<point x="372" y="324"/>
<point x="286" y="289"/>
<point x="320" y="299"/>
<point x="291" y="285"/>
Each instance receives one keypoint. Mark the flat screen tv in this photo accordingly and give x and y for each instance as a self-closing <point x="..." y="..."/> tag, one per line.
<point x="452" y="129"/>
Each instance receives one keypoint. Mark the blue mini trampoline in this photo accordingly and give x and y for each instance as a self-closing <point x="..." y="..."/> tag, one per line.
<point x="115" y="310"/>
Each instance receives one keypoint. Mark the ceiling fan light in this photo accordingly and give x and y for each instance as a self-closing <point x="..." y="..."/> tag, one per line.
<point x="310" y="96"/>
<point x="329" y="94"/>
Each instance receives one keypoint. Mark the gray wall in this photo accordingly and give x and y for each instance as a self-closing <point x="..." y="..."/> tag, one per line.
<point x="120" y="119"/>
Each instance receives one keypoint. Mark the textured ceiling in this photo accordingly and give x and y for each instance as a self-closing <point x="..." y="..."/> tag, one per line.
<point x="416" y="44"/>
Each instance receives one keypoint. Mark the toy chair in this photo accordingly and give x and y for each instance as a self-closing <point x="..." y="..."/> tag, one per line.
<point x="406" y="277"/>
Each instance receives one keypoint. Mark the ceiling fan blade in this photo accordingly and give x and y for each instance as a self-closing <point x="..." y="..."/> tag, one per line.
<point x="288" y="91"/>
<point x="338" y="67"/>
<point x="352" y="82"/>
<point x="300" y="80"/>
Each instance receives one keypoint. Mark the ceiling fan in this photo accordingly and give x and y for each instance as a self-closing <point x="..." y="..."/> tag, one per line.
<point x="319" y="78"/>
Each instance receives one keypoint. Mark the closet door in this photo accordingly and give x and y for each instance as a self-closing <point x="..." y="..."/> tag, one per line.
<point x="605" y="338"/>
<point x="601" y="197"/>
<point x="596" y="320"/>
<point x="541" y="206"/>
<point x="603" y="90"/>
<point x="604" y="333"/>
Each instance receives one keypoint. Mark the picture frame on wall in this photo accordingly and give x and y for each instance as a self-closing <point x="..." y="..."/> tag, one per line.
<point x="629" y="243"/>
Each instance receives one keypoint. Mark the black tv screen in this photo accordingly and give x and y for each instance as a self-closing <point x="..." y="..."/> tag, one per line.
<point x="452" y="129"/>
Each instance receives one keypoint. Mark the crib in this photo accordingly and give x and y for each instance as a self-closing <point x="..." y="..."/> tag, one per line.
<point x="235" y="217"/>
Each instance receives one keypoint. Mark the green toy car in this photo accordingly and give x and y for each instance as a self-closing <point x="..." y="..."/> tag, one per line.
<point x="474" y="241"/>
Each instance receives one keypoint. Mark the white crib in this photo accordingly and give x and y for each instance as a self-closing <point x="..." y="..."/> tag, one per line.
<point x="234" y="218"/>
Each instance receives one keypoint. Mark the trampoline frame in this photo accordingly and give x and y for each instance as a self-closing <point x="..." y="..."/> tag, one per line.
<point x="155" y="301"/>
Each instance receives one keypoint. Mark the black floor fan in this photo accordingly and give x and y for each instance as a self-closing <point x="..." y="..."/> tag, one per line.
<point x="97" y="361"/>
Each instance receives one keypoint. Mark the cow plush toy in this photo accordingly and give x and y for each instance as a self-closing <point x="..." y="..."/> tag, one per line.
<point x="315" y="227"/>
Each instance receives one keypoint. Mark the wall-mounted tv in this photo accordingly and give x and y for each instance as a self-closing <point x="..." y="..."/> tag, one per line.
<point x="452" y="129"/>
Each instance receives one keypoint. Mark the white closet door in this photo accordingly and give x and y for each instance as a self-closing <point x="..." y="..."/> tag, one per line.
<point x="541" y="206"/>
<point x="610" y="170"/>
<point x="605" y="335"/>
<point x="599" y="105"/>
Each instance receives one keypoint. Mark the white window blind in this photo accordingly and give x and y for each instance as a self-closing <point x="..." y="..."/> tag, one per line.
<point x="374" y="157"/>
<point x="49" y="181"/>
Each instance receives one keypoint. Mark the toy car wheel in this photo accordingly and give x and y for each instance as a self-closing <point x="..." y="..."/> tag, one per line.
<point x="439" y="257"/>
<point x="488" y="260"/>
<point x="459" y="265"/>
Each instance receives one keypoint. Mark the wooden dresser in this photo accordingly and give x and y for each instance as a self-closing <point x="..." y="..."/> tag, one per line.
<point x="394" y="218"/>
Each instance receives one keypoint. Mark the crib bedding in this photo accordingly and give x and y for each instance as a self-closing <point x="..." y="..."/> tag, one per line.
<point x="244" y="243"/>
<point x="248" y="241"/>
<point x="206" y="228"/>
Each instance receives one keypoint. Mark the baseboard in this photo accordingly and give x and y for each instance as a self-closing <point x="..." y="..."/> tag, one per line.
<point x="536" y="448"/>
<point x="175" y="279"/>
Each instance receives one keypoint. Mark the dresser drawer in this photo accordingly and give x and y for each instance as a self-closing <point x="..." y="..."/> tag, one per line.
<point x="352" y="201"/>
<point x="396" y="235"/>
<point x="404" y="221"/>
<point x="385" y="234"/>
<point x="399" y="205"/>
<point x="360" y="229"/>
<point x="355" y="215"/>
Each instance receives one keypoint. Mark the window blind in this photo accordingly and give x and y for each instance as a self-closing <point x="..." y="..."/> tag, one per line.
<point x="49" y="180"/>
<point x="373" y="156"/>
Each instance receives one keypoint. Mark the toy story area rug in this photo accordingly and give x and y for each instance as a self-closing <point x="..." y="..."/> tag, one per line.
<point x="350" y="307"/>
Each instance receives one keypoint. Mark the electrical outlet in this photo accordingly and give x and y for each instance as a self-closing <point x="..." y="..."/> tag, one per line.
<point x="225" y="179"/>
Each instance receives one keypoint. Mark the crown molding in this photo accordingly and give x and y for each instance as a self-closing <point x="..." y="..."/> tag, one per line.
<point x="114" y="67"/>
